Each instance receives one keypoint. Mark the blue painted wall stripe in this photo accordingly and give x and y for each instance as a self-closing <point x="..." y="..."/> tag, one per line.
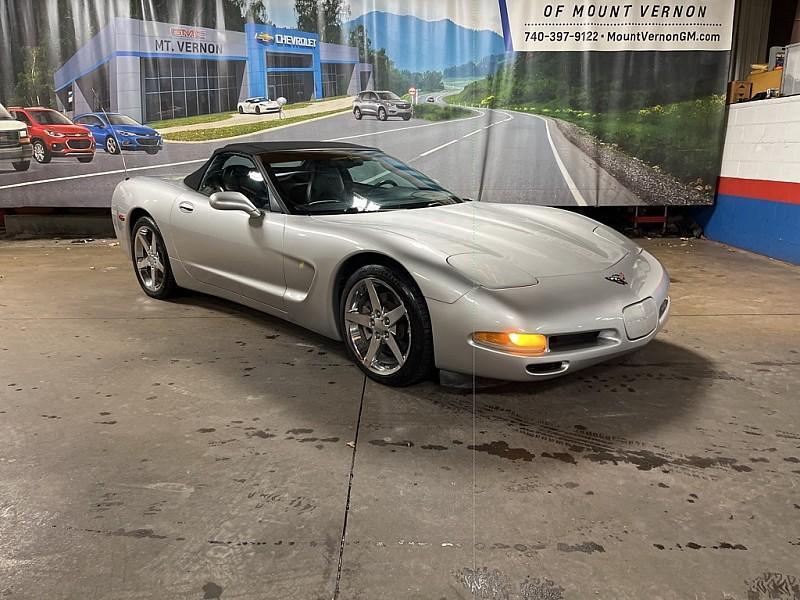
<point x="770" y="228"/>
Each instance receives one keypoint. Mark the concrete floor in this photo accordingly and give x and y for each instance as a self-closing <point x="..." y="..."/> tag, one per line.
<point x="199" y="450"/>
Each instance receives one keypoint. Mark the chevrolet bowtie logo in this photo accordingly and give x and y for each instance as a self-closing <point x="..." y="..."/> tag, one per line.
<point x="617" y="278"/>
<point x="265" y="37"/>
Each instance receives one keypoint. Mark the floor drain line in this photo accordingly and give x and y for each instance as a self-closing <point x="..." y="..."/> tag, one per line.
<point x="349" y="490"/>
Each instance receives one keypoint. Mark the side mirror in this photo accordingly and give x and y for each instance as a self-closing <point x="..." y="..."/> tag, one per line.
<point x="234" y="201"/>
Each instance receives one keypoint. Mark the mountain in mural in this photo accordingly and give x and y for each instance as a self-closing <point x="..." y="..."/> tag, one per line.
<point x="418" y="45"/>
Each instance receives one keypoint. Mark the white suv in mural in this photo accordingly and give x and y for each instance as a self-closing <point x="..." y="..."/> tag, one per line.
<point x="15" y="145"/>
<point x="258" y="105"/>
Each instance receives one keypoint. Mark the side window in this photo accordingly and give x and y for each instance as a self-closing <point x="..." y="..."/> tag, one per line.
<point x="21" y="116"/>
<point x="235" y="173"/>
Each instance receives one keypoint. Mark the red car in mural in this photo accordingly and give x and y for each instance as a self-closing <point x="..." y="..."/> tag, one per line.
<point x="53" y="134"/>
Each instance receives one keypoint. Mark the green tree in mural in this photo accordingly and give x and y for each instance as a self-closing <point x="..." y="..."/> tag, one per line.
<point x="323" y="17"/>
<point x="35" y="79"/>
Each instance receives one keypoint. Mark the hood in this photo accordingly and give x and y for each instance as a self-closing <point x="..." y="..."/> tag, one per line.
<point x="136" y="129"/>
<point x="66" y="129"/>
<point x="539" y="241"/>
<point x="11" y="125"/>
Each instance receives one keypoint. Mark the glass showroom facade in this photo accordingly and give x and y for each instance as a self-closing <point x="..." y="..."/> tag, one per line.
<point x="154" y="71"/>
<point x="176" y="87"/>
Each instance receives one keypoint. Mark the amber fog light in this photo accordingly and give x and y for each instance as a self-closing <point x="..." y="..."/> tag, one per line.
<point x="527" y="344"/>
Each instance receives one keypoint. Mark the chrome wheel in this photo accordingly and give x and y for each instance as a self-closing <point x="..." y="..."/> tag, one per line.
<point x="378" y="326"/>
<point x="39" y="152"/>
<point x="111" y="145"/>
<point x="147" y="255"/>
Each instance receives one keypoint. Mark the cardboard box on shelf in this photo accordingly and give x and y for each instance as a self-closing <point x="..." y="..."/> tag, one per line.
<point x="739" y="91"/>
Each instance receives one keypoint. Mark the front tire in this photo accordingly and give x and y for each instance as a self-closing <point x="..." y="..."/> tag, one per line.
<point x="150" y="260"/>
<point x="258" y="110"/>
<point x="357" y="114"/>
<point x="151" y="151"/>
<point x="406" y="117"/>
<point x="382" y="114"/>
<point x="386" y="326"/>
<point x="111" y="145"/>
<point x="41" y="153"/>
<point x="22" y="165"/>
<point x="86" y="159"/>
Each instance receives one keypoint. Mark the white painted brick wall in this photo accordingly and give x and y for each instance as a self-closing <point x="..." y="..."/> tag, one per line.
<point x="763" y="140"/>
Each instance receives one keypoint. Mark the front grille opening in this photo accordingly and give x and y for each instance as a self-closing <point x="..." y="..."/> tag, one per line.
<point x="573" y="341"/>
<point x="546" y="368"/>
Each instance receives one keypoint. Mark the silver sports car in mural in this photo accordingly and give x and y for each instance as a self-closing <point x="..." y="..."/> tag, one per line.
<point x="355" y="245"/>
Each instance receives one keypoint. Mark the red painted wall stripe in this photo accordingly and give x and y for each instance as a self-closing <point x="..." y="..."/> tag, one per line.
<point x="760" y="189"/>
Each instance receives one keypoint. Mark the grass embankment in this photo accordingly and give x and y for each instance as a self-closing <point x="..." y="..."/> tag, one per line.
<point x="196" y="120"/>
<point x="682" y="138"/>
<point x="217" y="133"/>
<point x="437" y="112"/>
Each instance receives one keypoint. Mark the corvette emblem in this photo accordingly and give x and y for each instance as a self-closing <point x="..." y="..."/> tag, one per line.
<point x="618" y="278"/>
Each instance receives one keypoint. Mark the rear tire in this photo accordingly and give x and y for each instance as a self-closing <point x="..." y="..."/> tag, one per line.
<point x="22" y="165"/>
<point x="150" y="260"/>
<point x="241" y="110"/>
<point x="392" y="343"/>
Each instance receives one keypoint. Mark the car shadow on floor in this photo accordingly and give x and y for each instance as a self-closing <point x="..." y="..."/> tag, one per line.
<point x="628" y="395"/>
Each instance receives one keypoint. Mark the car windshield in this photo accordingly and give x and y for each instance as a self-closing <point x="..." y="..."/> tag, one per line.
<point x="350" y="181"/>
<point x="388" y="96"/>
<point x="258" y="99"/>
<point x="49" y="117"/>
<point x="122" y="120"/>
<point x="4" y="114"/>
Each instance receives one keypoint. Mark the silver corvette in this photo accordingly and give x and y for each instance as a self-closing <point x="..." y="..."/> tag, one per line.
<point x="357" y="246"/>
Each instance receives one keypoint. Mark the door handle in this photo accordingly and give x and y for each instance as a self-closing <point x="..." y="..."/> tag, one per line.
<point x="186" y="207"/>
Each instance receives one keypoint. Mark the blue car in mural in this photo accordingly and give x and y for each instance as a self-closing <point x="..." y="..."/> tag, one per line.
<point x="115" y="132"/>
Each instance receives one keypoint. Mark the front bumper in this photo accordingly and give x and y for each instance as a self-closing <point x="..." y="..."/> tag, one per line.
<point x="399" y="112"/>
<point x="586" y="308"/>
<point x="16" y="153"/>
<point x="141" y="143"/>
<point x="77" y="146"/>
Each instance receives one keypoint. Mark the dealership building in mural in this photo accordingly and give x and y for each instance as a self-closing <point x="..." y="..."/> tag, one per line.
<point x="153" y="71"/>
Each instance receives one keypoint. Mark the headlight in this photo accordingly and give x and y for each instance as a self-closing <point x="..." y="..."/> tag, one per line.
<point x="491" y="272"/>
<point x="23" y="134"/>
<point x="54" y="134"/>
<point x="525" y="344"/>
<point x="613" y="236"/>
<point x="126" y="134"/>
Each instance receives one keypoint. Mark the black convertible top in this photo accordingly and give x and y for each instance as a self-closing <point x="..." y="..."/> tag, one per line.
<point x="257" y="148"/>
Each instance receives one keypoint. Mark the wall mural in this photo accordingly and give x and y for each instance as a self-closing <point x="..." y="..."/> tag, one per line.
<point x="524" y="101"/>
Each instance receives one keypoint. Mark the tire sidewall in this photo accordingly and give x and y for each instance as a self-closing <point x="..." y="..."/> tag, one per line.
<point x="420" y="357"/>
<point x="45" y="153"/>
<point x="169" y="287"/>
<point x="357" y="114"/>
<point x="382" y="114"/>
<point x="111" y="145"/>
